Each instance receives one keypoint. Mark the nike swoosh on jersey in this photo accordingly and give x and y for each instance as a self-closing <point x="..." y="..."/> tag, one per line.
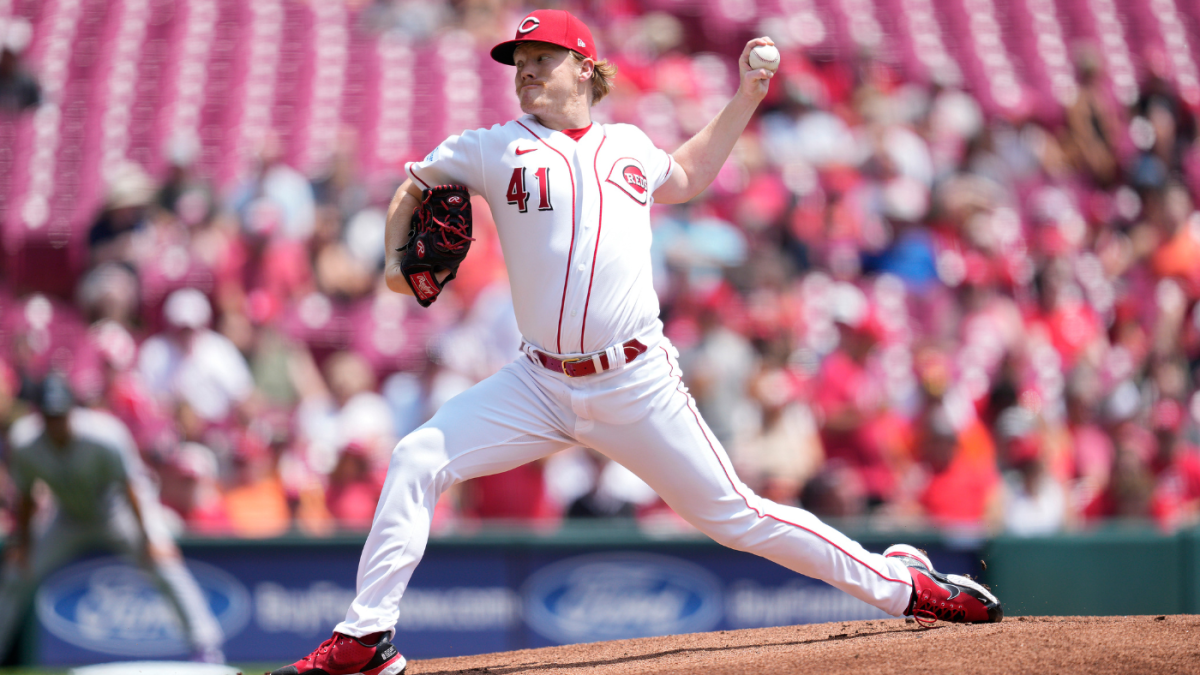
<point x="521" y="152"/>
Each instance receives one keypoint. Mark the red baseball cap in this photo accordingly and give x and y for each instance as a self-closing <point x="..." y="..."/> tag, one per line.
<point x="554" y="26"/>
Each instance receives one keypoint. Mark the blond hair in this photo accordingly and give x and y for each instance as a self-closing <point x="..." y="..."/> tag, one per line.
<point x="603" y="74"/>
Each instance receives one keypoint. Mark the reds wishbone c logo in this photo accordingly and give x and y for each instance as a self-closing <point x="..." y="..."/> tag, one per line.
<point x="636" y="179"/>
<point x="627" y="173"/>
<point x="530" y="23"/>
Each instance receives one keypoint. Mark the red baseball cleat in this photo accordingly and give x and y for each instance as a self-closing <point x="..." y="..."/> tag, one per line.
<point x="948" y="597"/>
<point x="347" y="655"/>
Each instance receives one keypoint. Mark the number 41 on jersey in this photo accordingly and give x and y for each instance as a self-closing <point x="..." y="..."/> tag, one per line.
<point x="517" y="194"/>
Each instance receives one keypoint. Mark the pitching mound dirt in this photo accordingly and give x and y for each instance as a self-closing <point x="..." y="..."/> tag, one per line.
<point x="1127" y="644"/>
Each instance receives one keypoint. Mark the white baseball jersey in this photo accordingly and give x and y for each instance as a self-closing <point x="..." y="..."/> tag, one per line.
<point x="573" y="219"/>
<point x="573" y="216"/>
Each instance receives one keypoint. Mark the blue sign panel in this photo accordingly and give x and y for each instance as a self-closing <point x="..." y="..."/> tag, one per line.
<point x="620" y="595"/>
<point x="276" y="603"/>
<point x="106" y="606"/>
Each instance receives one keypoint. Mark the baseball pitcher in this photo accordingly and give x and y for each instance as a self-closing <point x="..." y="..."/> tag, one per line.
<point x="571" y="201"/>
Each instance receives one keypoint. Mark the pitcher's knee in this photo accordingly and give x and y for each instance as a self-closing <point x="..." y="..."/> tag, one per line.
<point x="419" y="454"/>
<point x="735" y="533"/>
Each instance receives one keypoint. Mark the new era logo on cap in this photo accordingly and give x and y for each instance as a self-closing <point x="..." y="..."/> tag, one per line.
<point x="552" y="26"/>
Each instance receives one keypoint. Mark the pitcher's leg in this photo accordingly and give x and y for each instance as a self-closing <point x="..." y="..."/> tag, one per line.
<point x="672" y="449"/>
<point x="499" y="424"/>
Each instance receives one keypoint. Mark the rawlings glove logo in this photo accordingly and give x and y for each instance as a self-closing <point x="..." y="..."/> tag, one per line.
<point x="423" y="285"/>
<point x="420" y="249"/>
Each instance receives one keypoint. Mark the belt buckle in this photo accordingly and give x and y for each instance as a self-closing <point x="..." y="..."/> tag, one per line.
<point x="562" y="364"/>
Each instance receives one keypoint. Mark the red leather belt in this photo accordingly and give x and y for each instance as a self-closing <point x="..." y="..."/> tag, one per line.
<point x="590" y="364"/>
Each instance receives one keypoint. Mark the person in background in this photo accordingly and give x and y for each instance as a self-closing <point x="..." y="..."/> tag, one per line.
<point x="783" y="450"/>
<point x="1175" y="502"/>
<point x="255" y="498"/>
<point x="354" y="487"/>
<point x="1091" y="122"/>
<point x="277" y="183"/>
<point x="19" y="89"/>
<point x="191" y="488"/>
<point x="124" y="218"/>
<point x="191" y="364"/>
<point x="88" y="461"/>
<point x="849" y="398"/>
<point x="1131" y="487"/>
<point x="1030" y="502"/>
<point x="959" y="485"/>
<point x="1091" y="446"/>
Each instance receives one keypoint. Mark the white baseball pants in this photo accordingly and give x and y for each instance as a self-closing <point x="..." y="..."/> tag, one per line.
<point x="640" y="416"/>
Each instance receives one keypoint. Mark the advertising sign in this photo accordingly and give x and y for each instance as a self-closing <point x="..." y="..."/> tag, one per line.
<point x="276" y="603"/>
<point x="620" y="595"/>
<point x="111" y="607"/>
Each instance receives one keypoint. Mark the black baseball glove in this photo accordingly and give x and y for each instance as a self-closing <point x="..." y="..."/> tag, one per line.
<point x="439" y="240"/>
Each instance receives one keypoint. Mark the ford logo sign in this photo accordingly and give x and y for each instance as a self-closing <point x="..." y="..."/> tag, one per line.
<point x="621" y="595"/>
<point x="108" y="606"/>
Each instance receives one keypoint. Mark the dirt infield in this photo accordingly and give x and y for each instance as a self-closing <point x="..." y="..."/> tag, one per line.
<point x="1127" y="644"/>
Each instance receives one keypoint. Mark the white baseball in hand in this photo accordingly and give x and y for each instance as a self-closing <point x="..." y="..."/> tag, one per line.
<point x="764" y="56"/>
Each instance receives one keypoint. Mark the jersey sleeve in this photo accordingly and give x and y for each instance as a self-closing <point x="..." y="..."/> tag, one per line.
<point x="459" y="159"/>
<point x="658" y="163"/>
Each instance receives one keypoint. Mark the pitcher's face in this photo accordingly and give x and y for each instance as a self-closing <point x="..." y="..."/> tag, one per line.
<point x="546" y="77"/>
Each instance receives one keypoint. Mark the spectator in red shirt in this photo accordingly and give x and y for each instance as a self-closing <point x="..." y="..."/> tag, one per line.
<point x="1131" y="487"/>
<point x="851" y="401"/>
<point x="190" y="488"/>
<point x="353" y="488"/>
<point x="959" y="488"/>
<point x="516" y="494"/>
<point x="1175" y="503"/>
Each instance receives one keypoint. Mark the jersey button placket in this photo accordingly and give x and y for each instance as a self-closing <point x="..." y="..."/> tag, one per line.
<point x="578" y="279"/>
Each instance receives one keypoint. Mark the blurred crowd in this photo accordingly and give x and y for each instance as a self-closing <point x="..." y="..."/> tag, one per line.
<point x="890" y="304"/>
